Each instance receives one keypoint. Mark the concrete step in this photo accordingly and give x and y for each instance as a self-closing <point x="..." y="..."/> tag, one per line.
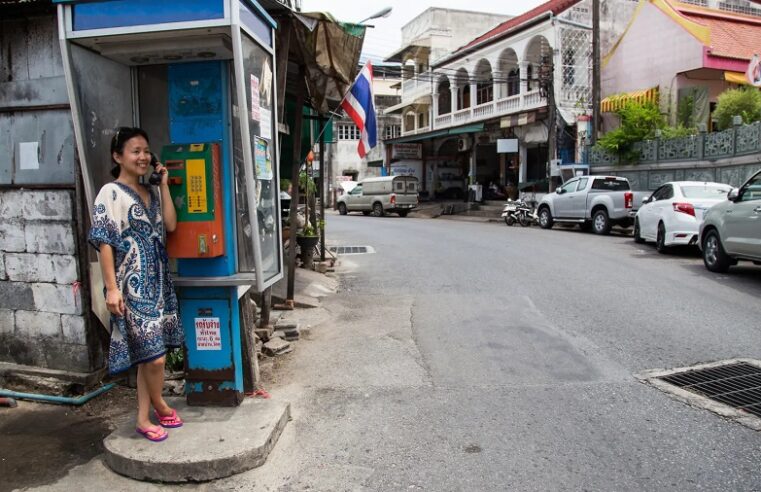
<point x="491" y="208"/>
<point x="214" y="442"/>
<point x="483" y="213"/>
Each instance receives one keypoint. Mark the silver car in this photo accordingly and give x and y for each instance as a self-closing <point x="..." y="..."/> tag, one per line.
<point x="731" y="229"/>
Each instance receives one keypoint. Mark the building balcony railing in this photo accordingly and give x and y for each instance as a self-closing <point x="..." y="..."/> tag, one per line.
<point x="415" y="131"/>
<point x="416" y="86"/>
<point x="492" y="109"/>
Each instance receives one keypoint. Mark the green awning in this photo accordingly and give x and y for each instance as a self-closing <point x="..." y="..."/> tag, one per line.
<point x="539" y="183"/>
<point x="474" y="128"/>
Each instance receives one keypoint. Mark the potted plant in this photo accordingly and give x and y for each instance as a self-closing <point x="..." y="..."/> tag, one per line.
<point x="308" y="237"/>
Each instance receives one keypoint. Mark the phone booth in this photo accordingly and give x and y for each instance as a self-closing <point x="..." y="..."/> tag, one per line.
<point x="198" y="76"/>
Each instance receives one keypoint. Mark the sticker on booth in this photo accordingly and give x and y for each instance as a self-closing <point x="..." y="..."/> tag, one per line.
<point x="255" y="116"/>
<point x="208" y="334"/>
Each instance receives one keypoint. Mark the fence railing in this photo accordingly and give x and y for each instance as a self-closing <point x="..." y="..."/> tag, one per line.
<point x="736" y="141"/>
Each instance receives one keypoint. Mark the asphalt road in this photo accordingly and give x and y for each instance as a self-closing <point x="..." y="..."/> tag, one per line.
<point x="474" y="357"/>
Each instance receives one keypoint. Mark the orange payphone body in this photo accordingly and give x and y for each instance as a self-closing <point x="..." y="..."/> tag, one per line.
<point x="195" y="183"/>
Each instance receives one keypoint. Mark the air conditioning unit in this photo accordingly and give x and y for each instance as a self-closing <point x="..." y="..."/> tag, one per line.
<point x="463" y="144"/>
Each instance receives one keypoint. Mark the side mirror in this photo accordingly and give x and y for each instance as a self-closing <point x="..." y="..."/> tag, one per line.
<point x="560" y="191"/>
<point x="647" y="200"/>
<point x="733" y="194"/>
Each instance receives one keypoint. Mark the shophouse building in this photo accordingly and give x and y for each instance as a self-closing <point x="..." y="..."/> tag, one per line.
<point x="526" y="79"/>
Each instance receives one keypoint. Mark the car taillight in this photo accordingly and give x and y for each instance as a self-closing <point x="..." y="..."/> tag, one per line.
<point x="628" y="199"/>
<point x="393" y="198"/>
<point x="685" y="208"/>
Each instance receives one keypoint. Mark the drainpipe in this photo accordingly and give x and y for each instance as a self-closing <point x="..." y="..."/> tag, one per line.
<point x="61" y="400"/>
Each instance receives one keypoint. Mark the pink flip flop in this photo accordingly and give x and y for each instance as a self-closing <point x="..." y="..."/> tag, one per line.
<point x="153" y="433"/>
<point x="171" y="421"/>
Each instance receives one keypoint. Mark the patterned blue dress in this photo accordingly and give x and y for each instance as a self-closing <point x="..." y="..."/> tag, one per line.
<point x="151" y="325"/>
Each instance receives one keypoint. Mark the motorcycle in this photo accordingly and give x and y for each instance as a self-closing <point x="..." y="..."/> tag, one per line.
<point x="517" y="211"/>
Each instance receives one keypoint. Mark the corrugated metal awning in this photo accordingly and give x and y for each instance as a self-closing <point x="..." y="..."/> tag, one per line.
<point x="460" y="130"/>
<point x="613" y="103"/>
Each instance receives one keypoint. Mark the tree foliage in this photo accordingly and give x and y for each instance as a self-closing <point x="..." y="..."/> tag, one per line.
<point x="745" y="102"/>
<point x="638" y="122"/>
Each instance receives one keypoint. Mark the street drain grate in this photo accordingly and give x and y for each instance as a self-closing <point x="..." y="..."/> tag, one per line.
<point x="730" y="388"/>
<point x="352" y="250"/>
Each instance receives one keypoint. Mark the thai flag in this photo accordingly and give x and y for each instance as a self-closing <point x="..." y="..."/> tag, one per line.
<point x="360" y="107"/>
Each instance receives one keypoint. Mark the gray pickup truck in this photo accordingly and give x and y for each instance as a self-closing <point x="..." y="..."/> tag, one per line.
<point x="593" y="202"/>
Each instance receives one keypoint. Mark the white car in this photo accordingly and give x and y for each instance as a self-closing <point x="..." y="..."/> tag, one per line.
<point x="672" y="215"/>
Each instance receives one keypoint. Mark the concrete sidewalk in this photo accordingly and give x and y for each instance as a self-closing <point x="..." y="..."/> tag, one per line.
<point x="310" y="288"/>
<point x="213" y="443"/>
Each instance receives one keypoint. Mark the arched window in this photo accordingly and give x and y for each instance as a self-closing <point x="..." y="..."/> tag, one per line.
<point x="514" y="82"/>
<point x="445" y="97"/>
<point x="464" y="99"/>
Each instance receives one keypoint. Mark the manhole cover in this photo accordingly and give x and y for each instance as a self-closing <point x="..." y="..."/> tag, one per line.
<point x="730" y="388"/>
<point x="352" y="250"/>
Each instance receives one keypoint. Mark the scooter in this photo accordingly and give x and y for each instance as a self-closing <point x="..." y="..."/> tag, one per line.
<point x="517" y="211"/>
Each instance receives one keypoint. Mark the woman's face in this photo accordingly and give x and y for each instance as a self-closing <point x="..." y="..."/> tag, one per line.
<point x="135" y="159"/>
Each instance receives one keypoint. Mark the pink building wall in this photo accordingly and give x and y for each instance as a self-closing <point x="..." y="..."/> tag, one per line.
<point x="652" y="52"/>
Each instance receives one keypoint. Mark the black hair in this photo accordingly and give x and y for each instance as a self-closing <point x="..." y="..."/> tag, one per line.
<point x="121" y="136"/>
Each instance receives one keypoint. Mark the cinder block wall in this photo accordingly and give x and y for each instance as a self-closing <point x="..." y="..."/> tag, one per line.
<point x="41" y="305"/>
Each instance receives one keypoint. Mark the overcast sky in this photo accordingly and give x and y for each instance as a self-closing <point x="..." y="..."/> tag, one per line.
<point x="385" y="37"/>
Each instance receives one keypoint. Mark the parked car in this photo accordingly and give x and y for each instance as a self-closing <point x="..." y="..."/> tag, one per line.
<point x="672" y="215"/>
<point x="593" y="202"/>
<point x="731" y="229"/>
<point x="395" y="194"/>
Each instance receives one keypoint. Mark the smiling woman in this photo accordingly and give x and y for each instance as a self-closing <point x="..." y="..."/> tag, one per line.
<point x="128" y="225"/>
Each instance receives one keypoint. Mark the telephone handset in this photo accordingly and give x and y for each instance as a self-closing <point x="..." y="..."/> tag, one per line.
<point x="155" y="178"/>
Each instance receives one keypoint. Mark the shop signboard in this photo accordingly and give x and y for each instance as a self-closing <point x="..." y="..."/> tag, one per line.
<point x="407" y="151"/>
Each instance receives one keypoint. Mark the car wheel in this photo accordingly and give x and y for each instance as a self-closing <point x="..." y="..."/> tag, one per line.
<point x="601" y="222"/>
<point x="714" y="257"/>
<point x="509" y="220"/>
<point x="660" y="239"/>
<point x="378" y="209"/>
<point x="637" y="234"/>
<point x="545" y="218"/>
<point x="342" y="209"/>
<point x="403" y="213"/>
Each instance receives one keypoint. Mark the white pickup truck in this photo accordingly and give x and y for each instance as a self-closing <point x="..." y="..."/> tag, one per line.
<point x="593" y="202"/>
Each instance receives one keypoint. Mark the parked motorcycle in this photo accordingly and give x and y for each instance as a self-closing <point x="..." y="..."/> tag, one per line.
<point x="517" y="211"/>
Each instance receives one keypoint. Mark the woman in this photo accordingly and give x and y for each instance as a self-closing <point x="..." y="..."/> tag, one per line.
<point x="127" y="228"/>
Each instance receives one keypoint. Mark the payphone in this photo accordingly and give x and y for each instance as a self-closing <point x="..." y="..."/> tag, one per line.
<point x="196" y="188"/>
<point x="197" y="75"/>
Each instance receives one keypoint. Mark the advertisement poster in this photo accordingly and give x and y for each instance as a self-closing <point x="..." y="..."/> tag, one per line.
<point x="208" y="334"/>
<point x="266" y="89"/>
<point x="262" y="159"/>
<point x="255" y="98"/>
<point x="265" y="129"/>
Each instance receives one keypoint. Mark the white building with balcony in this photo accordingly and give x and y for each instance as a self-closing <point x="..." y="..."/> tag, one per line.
<point x="498" y="85"/>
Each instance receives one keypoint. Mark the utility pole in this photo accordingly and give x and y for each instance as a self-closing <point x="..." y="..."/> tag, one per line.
<point x="547" y="86"/>
<point x="595" y="69"/>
